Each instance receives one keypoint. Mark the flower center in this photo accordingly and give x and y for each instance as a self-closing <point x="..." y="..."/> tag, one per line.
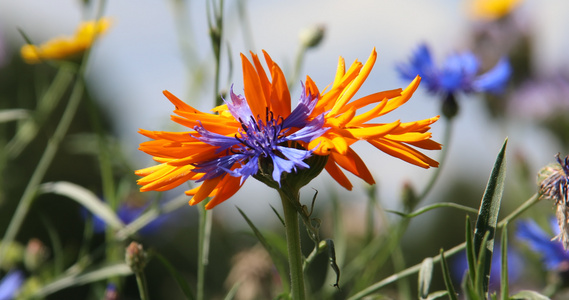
<point x="260" y="137"/>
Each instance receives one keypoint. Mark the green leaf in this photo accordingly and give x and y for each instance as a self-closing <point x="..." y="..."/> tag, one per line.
<point x="446" y="275"/>
<point x="86" y="198"/>
<point x="278" y="259"/>
<point x="231" y="294"/>
<point x="427" y="208"/>
<point x="529" y="295"/>
<point x="332" y="260"/>
<point x="436" y="295"/>
<point x="481" y="263"/>
<point x="425" y="277"/>
<point x="504" y="289"/>
<point x="488" y="213"/>
<point x="179" y="279"/>
<point x="104" y="272"/>
<point x="7" y="115"/>
<point x="470" y="256"/>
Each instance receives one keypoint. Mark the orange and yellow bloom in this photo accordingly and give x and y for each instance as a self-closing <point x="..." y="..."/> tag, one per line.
<point x="66" y="48"/>
<point x="347" y="127"/>
<point x="257" y="131"/>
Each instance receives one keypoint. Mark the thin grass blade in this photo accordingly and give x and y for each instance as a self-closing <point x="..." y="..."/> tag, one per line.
<point x="488" y="213"/>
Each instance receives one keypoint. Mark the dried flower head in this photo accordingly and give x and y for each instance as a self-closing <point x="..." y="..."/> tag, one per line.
<point x="555" y="186"/>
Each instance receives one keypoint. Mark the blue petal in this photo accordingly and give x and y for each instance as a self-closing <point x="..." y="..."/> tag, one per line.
<point x="421" y="64"/>
<point x="309" y="132"/>
<point x="298" y="117"/>
<point x="248" y="169"/>
<point x="239" y="107"/>
<point x="280" y="165"/>
<point x="219" y="166"/>
<point x="551" y="251"/>
<point x="10" y="284"/>
<point x="214" y="139"/>
<point x="495" y="80"/>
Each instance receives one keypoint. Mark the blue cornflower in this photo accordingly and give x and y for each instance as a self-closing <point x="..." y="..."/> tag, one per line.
<point x="458" y="73"/>
<point x="127" y="213"/>
<point x="459" y="266"/>
<point x="10" y="284"/>
<point x="553" y="255"/>
<point x="259" y="139"/>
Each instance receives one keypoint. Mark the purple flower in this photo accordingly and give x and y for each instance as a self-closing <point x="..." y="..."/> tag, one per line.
<point x="459" y="266"/>
<point x="127" y="212"/>
<point x="458" y="73"/>
<point x="553" y="255"/>
<point x="541" y="98"/>
<point x="261" y="140"/>
<point x="10" y="284"/>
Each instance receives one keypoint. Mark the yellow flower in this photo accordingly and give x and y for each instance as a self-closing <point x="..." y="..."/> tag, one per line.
<point x="62" y="48"/>
<point x="493" y="9"/>
<point x="347" y="127"/>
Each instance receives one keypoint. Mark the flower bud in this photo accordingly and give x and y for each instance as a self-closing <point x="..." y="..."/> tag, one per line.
<point x="311" y="37"/>
<point x="36" y="254"/>
<point x="135" y="257"/>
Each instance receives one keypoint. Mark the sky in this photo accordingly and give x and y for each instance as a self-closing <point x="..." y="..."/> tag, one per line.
<point x="141" y="56"/>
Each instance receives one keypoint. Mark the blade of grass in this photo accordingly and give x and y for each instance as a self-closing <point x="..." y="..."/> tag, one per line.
<point x="488" y="213"/>
<point x="86" y="198"/>
<point x="425" y="277"/>
<point x="452" y="295"/>
<point x="182" y="283"/>
<point x="504" y="288"/>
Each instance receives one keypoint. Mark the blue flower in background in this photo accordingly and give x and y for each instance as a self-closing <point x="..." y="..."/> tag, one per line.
<point x="554" y="257"/>
<point x="10" y="284"/>
<point x="459" y="266"/>
<point x="127" y="212"/>
<point x="458" y="73"/>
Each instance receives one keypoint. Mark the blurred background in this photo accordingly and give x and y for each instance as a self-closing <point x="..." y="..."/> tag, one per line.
<point x="164" y="45"/>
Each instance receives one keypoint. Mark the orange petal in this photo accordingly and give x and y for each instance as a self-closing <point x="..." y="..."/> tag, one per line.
<point x="353" y="163"/>
<point x="253" y="89"/>
<point x="225" y="189"/>
<point x="405" y="153"/>
<point x="356" y="83"/>
<point x="405" y="96"/>
<point x="337" y="174"/>
<point x="205" y="189"/>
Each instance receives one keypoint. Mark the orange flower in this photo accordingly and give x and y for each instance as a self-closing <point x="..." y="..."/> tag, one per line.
<point x="66" y="47"/>
<point x="346" y="127"/>
<point x="224" y="149"/>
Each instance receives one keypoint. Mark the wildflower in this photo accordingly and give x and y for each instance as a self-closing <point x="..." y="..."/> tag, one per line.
<point x="345" y="127"/>
<point x="253" y="133"/>
<point x="127" y="212"/>
<point x="554" y="257"/>
<point x="555" y="186"/>
<point x="457" y="74"/>
<point x="541" y="99"/>
<point x="10" y="284"/>
<point x="493" y="9"/>
<point x="459" y="266"/>
<point x="66" y="48"/>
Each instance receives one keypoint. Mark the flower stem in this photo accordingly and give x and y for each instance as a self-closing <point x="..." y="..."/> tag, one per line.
<point x="437" y="172"/>
<point x="43" y="165"/>
<point x="293" y="247"/>
<point x="414" y="269"/>
<point x="142" y="285"/>
<point x="203" y="250"/>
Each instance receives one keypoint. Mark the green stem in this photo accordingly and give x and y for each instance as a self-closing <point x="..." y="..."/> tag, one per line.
<point x="142" y="285"/>
<point x="293" y="246"/>
<point x="436" y="173"/>
<point x="46" y="105"/>
<point x="414" y="269"/>
<point x="522" y="208"/>
<point x="203" y="242"/>
<point x="43" y="165"/>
